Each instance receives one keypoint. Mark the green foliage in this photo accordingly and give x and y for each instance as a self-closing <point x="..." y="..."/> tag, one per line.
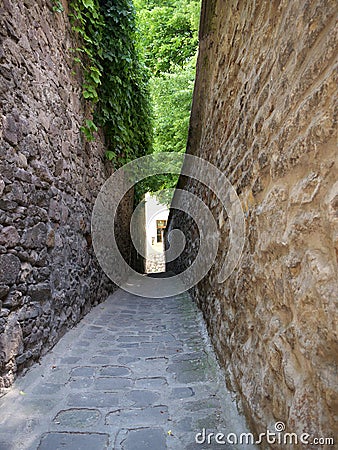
<point x="57" y="6"/>
<point x="171" y="96"/>
<point x="88" y="129"/>
<point x="124" y="109"/>
<point x="115" y="83"/>
<point x="169" y="41"/>
<point x="169" y="31"/>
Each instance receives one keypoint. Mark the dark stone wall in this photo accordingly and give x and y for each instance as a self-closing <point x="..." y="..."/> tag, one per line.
<point x="264" y="112"/>
<point x="49" y="179"/>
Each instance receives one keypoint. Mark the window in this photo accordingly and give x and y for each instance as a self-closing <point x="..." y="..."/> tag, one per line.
<point x="160" y="226"/>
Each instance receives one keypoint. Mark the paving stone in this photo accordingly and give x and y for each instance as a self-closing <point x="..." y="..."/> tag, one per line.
<point x="112" y="383"/>
<point x="39" y="405"/>
<point x="142" y="439"/>
<point x="182" y="392"/>
<point x="5" y="445"/>
<point x="129" y="345"/>
<point x="184" y="424"/>
<point x="80" y="383"/>
<point x="84" y="371"/>
<point x="210" y="422"/>
<point x="70" y="360"/>
<point x="108" y="340"/>
<point x="153" y="345"/>
<point x="123" y="385"/>
<point x="146" y="349"/>
<point x="100" y="359"/>
<point x="138" y="416"/>
<point x="143" y="397"/>
<point x="106" y="399"/>
<point x="103" y="321"/>
<point x="151" y="382"/>
<point x="127" y="359"/>
<point x="129" y="339"/>
<point x="186" y="365"/>
<point x="206" y="404"/>
<point x="58" y="375"/>
<point x="164" y="338"/>
<point x="73" y="418"/>
<point x="74" y="441"/>
<point x="189" y="356"/>
<point x="192" y="376"/>
<point x="91" y="335"/>
<point x="114" y="371"/>
<point x="169" y="351"/>
<point x="16" y="427"/>
<point x="83" y="344"/>
<point x="109" y="352"/>
<point x="48" y="388"/>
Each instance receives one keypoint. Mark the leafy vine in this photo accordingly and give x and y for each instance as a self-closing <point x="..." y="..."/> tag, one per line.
<point x="115" y="82"/>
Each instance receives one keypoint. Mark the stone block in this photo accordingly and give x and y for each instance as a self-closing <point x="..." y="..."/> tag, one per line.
<point x="138" y="417"/>
<point x="15" y="193"/>
<point x="11" y="340"/>
<point x="21" y="359"/>
<point x="92" y="441"/>
<point x="141" y="439"/>
<point x="9" y="237"/>
<point x="13" y="300"/>
<point x="78" y="417"/>
<point x="93" y="399"/>
<point x="10" y="266"/>
<point x="50" y="241"/>
<point x="3" y="291"/>
<point x="2" y="186"/>
<point x="306" y="189"/>
<point x="23" y="175"/>
<point x="54" y="210"/>
<point x="30" y="311"/>
<point x="11" y="129"/>
<point x="40" y="292"/>
<point x="35" y="237"/>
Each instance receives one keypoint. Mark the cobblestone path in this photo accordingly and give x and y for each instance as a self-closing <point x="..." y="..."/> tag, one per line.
<point x="134" y="374"/>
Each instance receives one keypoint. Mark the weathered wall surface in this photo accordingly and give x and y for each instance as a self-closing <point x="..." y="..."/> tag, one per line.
<point x="263" y="113"/>
<point x="50" y="177"/>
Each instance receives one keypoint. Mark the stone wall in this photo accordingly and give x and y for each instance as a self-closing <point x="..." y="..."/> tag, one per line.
<point x="263" y="113"/>
<point x="50" y="176"/>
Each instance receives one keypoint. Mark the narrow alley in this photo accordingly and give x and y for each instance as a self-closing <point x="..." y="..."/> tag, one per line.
<point x="196" y="137"/>
<point x="135" y="374"/>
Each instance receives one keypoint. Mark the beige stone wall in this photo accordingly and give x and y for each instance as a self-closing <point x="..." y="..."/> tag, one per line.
<point x="264" y="113"/>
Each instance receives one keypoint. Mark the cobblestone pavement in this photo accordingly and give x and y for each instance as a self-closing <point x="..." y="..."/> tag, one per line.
<point x="134" y="374"/>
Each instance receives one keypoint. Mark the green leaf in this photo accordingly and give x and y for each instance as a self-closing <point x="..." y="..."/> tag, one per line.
<point x="90" y="125"/>
<point x="110" y="155"/>
<point x="57" y="6"/>
<point x="115" y="82"/>
<point x="88" y="4"/>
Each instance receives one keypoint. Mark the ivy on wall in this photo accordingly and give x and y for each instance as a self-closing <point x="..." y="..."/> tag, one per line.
<point x="115" y="82"/>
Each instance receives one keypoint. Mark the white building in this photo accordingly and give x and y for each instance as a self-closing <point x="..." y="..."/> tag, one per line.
<point x="156" y="216"/>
